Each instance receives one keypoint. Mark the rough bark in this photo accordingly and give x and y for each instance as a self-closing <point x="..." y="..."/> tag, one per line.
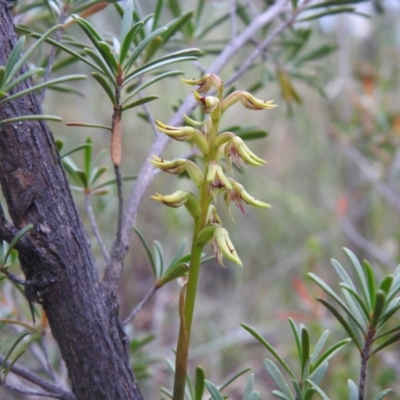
<point x="56" y="254"/>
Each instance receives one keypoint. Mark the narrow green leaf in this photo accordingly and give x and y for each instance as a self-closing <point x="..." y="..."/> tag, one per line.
<point x="318" y="390"/>
<point x="108" y="56"/>
<point x="105" y="85"/>
<point x="215" y="24"/>
<point x="176" y="25"/>
<point x="386" y="343"/>
<point x="174" y="7"/>
<point x="318" y="347"/>
<point x="71" y="169"/>
<point x="150" y="82"/>
<point x="253" y="396"/>
<point x="148" y="251"/>
<point x="156" y="64"/>
<point x="87" y="156"/>
<point x="125" y="45"/>
<point x="319" y="373"/>
<point x="177" y="271"/>
<point x="393" y="307"/>
<point x="297" y="388"/>
<point x="233" y="378"/>
<point x="370" y="277"/>
<point x="113" y="181"/>
<point x="343" y="322"/>
<point x="305" y="349"/>
<point x="278" y="378"/>
<point x="388" y="332"/>
<point x="71" y="52"/>
<point x="316" y="54"/>
<point x="17" y="66"/>
<point x="383" y="394"/>
<point x="85" y="125"/>
<point x="380" y="302"/>
<point x="331" y="11"/>
<point x="386" y="284"/>
<point x="139" y="102"/>
<point x="344" y="277"/>
<point x="249" y="386"/>
<point x="215" y="394"/>
<point x="309" y="394"/>
<point x="96" y="174"/>
<point x="199" y="381"/>
<point x="269" y="348"/>
<point x="358" y="299"/>
<point x="42" y="85"/>
<point x="12" y="60"/>
<point x="15" y="344"/>
<point x="294" y="4"/>
<point x="31" y="118"/>
<point x="22" y="232"/>
<point x="159" y="258"/>
<point x="2" y="75"/>
<point x="83" y="178"/>
<point x="157" y="14"/>
<point x="72" y="151"/>
<point x="281" y="395"/>
<point x="22" y="78"/>
<point x="141" y="46"/>
<point x="330" y="3"/>
<point x="199" y="11"/>
<point x="296" y="337"/>
<point x="102" y="65"/>
<point x="328" y="354"/>
<point x="335" y="297"/>
<point x="353" y="390"/>
<point x="15" y="359"/>
<point x="127" y="20"/>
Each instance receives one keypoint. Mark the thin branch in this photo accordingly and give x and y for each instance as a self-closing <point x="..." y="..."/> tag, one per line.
<point x="95" y="229"/>
<point x="31" y="392"/>
<point x="145" y="300"/>
<point x="38" y="381"/>
<point x="390" y="195"/>
<point x="145" y="176"/>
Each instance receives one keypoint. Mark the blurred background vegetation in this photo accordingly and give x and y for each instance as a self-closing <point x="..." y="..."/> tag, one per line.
<point x="332" y="178"/>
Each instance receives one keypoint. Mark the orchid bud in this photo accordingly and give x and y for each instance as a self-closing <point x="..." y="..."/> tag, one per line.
<point x="206" y="82"/>
<point x="222" y="246"/>
<point x="194" y="172"/>
<point x="237" y="151"/>
<point x="216" y="177"/>
<point x="173" y="200"/>
<point x="175" y="167"/>
<point x="238" y="195"/>
<point x="212" y="216"/>
<point x="181" y="133"/>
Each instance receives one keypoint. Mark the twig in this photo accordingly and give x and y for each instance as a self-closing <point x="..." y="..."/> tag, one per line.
<point x="263" y="46"/>
<point x="52" y="55"/>
<point x="145" y="300"/>
<point x="145" y="176"/>
<point x="38" y="381"/>
<point x="31" y="392"/>
<point x="364" y="361"/>
<point x="364" y="166"/>
<point x="95" y="229"/>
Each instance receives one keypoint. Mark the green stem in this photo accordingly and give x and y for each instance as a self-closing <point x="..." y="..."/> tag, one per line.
<point x="182" y="351"/>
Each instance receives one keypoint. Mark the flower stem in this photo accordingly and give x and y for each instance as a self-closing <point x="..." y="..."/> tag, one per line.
<point x="182" y="352"/>
<point x="364" y="360"/>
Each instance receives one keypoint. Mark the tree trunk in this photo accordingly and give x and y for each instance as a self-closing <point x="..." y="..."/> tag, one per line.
<point x="55" y="255"/>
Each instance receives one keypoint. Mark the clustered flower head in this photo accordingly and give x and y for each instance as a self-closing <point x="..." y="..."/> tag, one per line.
<point x="212" y="180"/>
